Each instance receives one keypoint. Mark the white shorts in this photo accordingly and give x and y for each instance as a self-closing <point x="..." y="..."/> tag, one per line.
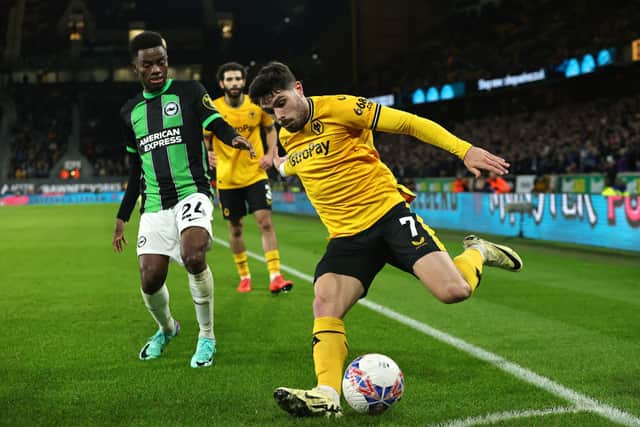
<point x="159" y="232"/>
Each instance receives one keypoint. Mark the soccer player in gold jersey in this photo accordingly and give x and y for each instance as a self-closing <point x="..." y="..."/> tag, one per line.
<point x="329" y="145"/>
<point x="241" y="180"/>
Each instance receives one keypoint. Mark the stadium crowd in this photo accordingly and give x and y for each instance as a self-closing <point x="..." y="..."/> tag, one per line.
<point x="100" y="134"/>
<point x="515" y="36"/>
<point x="40" y="134"/>
<point x="582" y="138"/>
<point x="578" y="137"/>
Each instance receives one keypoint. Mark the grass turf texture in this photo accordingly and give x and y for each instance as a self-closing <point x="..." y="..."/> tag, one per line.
<point x="73" y="323"/>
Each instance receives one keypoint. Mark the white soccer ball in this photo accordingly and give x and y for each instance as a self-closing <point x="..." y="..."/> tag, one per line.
<point x="372" y="383"/>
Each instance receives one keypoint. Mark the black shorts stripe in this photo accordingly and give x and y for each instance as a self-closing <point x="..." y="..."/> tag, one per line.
<point x="328" y="332"/>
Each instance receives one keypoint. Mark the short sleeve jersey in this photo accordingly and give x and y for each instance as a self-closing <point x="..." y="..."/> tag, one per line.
<point x="165" y="129"/>
<point x="235" y="168"/>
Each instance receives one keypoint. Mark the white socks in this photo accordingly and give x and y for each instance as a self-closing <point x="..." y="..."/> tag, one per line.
<point x="158" y="306"/>
<point x="330" y="392"/>
<point x="201" y="287"/>
<point x="481" y="249"/>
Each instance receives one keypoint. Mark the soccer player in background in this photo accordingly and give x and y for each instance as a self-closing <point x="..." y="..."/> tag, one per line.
<point x="329" y="142"/>
<point x="168" y="165"/>
<point x="242" y="182"/>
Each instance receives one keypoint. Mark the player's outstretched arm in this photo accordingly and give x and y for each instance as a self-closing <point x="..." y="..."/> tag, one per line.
<point x="396" y="121"/>
<point x="228" y="135"/>
<point x="474" y="158"/>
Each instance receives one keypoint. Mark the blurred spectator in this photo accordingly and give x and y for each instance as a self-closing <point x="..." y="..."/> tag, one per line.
<point x="498" y="184"/>
<point x="541" y="184"/>
<point x="480" y="185"/>
<point x="460" y="184"/>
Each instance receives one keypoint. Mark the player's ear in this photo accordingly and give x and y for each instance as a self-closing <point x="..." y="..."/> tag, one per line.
<point x="298" y="87"/>
<point x="221" y="84"/>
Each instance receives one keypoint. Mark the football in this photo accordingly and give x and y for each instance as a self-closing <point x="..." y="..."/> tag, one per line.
<point x="372" y="384"/>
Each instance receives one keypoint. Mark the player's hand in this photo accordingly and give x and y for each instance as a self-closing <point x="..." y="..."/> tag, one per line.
<point x="276" y="159"/>
<point x="478" y="159"/>
<point x="241" y="143"/>
<point x="266" y="161"/>
<point x="213" y="160"/>
<point x="118" y="236"/>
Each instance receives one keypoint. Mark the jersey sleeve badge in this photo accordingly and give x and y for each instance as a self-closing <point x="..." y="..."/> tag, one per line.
<point x="208" y="103"/>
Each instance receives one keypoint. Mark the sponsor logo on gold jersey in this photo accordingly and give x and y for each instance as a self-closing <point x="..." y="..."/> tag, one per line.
<point x="313" y="149"/>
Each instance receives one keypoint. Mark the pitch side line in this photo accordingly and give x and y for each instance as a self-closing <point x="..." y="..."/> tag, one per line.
<point x="508" y="415"/>
<point x="581" y="401"/>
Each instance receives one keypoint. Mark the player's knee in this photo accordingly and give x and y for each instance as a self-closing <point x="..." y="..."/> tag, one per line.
<point x="236" y="230"/>
<point x="323" y="298"/>
<point x="194" y="261"/>
<point x="152" y="279"/>
<point x="454" y="291"/>
<point x="319" y="302"/>
<point x="265" y="225"/>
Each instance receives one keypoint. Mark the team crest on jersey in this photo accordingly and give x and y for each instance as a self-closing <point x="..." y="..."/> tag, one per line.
<point x="317" y="127"/>
<point x="252" y="114"/>
<point x="418" y="243"/>
<point x="171" y="109"/>
<point x="207" y="102"/>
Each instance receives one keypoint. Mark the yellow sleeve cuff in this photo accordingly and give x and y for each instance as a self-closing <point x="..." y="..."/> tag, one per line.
<point x="396" y="121"/>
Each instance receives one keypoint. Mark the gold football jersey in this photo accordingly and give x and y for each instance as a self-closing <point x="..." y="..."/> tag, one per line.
<point x="334" y="157"/>
<point x="235" y="168"/>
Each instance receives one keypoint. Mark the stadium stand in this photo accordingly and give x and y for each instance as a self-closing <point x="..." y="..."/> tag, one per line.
<point x="41" y="129"/>
<point x="572" y="135"/>
<point x="579" y="138"/>
<point x="515" y="36"/>
<point x="100" y="132"/>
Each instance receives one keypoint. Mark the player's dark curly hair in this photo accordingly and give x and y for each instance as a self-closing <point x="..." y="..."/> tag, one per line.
<point x="273" y="76"/>
<point x="230" y="66"/>
<point x="145" y="40"/>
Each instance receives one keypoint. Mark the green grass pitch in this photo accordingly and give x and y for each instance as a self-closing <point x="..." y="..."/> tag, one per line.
<point x="73" y="323"/>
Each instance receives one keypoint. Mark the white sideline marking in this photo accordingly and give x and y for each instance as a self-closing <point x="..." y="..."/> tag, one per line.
<point x="582" y="401"/>
<point x="508" y="415"/>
